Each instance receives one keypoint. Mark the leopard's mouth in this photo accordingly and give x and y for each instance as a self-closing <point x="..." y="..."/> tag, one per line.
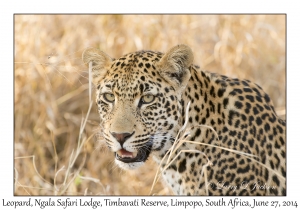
<point x="130" y="157"/>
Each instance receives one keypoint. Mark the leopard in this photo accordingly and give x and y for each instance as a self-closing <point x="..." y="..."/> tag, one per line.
<point x="210" y="134"/>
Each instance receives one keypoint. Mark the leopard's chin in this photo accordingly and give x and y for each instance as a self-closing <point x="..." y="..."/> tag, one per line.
<point x="129" y="166"/>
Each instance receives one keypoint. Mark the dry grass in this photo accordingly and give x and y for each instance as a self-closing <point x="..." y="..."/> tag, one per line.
<point x="52" y="91"/>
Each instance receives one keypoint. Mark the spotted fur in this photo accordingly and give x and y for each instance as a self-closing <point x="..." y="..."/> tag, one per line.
<point x="142" y="98"/>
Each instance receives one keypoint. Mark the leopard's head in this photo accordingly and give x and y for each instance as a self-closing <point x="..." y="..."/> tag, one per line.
<point x="139" y="100"/>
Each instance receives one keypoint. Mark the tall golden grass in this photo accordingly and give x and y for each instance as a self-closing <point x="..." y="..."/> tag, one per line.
<point x="55" y="153"/>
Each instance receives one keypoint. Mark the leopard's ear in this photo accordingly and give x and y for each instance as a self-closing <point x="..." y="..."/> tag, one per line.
<point x="100" y="62"/>
<point x="174" y="66"/>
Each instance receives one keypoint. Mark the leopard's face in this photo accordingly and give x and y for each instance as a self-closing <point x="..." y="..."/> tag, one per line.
<point x="138" y="118"/>
<point x="138" y="106"/>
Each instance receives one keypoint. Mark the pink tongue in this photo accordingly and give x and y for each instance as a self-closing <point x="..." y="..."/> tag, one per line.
<point x="124" y="152"/>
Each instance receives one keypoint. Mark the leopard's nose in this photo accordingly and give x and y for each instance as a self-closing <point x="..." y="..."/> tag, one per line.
<point x="121" y="137"/>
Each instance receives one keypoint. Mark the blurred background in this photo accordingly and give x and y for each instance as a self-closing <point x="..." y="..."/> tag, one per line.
<point x="52" y="92"/>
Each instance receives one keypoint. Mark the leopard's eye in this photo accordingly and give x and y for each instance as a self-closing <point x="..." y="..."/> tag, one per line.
<point x="109" y="97"/>
<point x="148" y="98"/>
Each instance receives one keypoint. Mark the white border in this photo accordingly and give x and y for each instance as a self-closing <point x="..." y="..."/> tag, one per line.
<point x="154" y="6"/>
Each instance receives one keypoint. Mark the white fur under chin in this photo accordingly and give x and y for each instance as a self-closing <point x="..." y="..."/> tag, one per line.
<point x="129" y="166"/>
